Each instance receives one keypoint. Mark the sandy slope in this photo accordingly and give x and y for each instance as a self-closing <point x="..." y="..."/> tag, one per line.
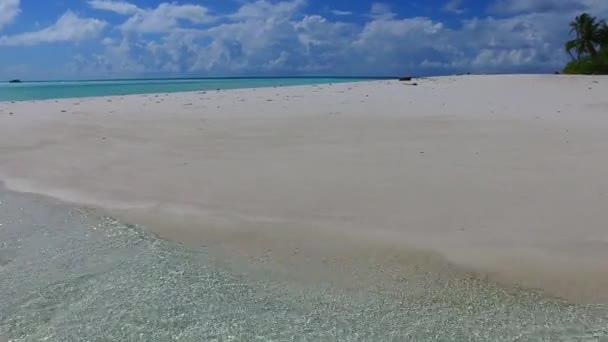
<point x="501" y="174"/>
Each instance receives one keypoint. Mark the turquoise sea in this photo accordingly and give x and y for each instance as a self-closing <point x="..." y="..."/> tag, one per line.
<point x="68" y="89"/>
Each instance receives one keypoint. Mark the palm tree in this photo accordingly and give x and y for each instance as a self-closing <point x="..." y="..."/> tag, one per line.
<point x="590" y="34"/>
<point x="603" y="35"/>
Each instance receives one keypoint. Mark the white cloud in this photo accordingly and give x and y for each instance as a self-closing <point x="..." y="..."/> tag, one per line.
<point x="117" y="61"/>
<point x="68" y="28"/>
<point x="264" y="37"/>
<point x="278" y="62"/>
<point x="341" y="13"/>
<point x="399" y="28"/>
<point x="119" y="7"/>
<point x="537" y="6"/>
<point x="454" y="6"/>
<point x="164" y="18"/>
<point x="9" y="10"/>
<point x="392" y="44"/>
<point x="527" y="42"/>
<point x="381" y="10"/>
<point x="107" y="41"/>
<point x="503" y="58"/>
<point x="279" y="37"/>
<point x="264" y="9"/>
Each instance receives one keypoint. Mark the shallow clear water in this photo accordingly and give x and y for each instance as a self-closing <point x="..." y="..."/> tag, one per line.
<point x="69" y="89"/>
<point x="68" y="274"/>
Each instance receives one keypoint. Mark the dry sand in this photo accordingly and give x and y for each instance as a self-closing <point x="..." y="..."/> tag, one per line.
<point x="503" y="175"/>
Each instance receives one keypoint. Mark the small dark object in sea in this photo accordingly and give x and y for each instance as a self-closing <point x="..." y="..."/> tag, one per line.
<point x="405" y="78"/>
<point x="556" y="73"/>
<point x="14" y="81"/>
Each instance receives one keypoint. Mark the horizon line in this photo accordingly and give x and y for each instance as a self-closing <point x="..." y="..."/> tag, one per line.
<point x="202" y="78"/>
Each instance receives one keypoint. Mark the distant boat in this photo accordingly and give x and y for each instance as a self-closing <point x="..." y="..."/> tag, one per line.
<point x="14" y="81"/>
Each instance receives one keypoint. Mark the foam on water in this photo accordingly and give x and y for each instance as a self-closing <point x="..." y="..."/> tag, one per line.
<point x="70" y="275"/>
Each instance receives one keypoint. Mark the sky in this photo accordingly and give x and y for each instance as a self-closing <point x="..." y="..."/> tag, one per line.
<point x="91" y="39"/>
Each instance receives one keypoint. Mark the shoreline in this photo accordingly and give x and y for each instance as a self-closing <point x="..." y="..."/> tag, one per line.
<point x="301" y="254"/>
<point x="355" y="80"/>
<point x="487" y="183"/>
<point x="217" y="87"/>
<point x="81" y="266"/>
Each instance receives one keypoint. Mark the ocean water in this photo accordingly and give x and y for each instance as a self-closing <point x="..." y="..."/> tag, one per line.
<point x="69" y="89"/>
<point x="70" y="274"/>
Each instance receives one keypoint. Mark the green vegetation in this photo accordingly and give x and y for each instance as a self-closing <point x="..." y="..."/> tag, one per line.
<point x="589" y="50"/>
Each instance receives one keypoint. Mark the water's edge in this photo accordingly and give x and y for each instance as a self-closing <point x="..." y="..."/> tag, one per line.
<point x="71" y="274"/>
<point x="29" y="91"/>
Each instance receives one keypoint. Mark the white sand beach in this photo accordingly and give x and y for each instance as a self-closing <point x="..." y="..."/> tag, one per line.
<point x="504" y="176"/>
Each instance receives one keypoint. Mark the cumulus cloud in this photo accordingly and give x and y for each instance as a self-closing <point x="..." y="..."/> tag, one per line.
<point x="401" y="45"/>
<point x="118" y="59"/>
<point x="258" y="33"/>
<point x="504" y="58"/>
<point x="119" y="7"/>
<point x="537" y="6"/>
<point x="264" y="9"/>
<point x="280" y="37"/>
<point x="68" y="28"/>
<point x="381" y="10"/>
<point x="9" y="10"/>
<point x="525" y="42"/>
<point x="454" y="6"/>
<point x="341" y="12"/>
<point x="164" y="18"/>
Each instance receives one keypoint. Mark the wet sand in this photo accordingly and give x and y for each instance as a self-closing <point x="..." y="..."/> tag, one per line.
<point x="498" y="176"/>
<point x="72" y="274"/>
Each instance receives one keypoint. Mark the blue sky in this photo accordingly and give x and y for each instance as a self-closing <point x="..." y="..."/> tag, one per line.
<point x="79" y="39"/>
